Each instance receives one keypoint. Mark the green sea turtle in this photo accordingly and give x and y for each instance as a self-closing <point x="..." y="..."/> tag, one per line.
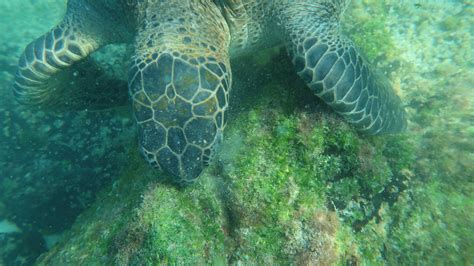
<point x="180" y="75"/>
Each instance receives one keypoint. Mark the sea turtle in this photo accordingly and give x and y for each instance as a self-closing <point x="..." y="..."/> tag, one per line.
<point x="180" y="76"/>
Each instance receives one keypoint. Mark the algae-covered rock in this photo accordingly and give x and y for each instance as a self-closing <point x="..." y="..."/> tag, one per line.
<point x="288" y="171"/>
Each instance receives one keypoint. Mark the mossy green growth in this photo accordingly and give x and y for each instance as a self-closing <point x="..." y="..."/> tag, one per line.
<point x="284" y="168"/>
<point x="137" y="220"/>
<point x="367" y="26"/>
<point x="451" y="23"/>
<point x="432" y="213"/>
<point x="176" y="226"/>
<point x="275" y="198"/>
<point x="429" y="223"/>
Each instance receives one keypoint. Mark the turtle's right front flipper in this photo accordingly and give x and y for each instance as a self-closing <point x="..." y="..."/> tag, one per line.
<point x="44" y="74"/>
<point x="335" y="70"/>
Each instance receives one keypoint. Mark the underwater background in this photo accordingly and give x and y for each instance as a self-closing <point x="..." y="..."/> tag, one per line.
<point x="292" y="184"/>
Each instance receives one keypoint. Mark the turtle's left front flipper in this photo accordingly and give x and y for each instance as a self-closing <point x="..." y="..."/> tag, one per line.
<point x="49" y="73"/>
<point x="335" y="71"/>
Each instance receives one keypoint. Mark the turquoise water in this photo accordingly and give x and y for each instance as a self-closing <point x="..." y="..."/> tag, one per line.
<point x="292" y="183"/>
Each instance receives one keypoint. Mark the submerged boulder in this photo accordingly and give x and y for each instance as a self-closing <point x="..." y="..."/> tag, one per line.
<point x="287" y="165"/>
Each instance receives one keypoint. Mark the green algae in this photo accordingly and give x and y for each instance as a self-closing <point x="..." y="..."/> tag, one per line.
<point x="432" y="213"/>
<point x="176" y="227"/>
<point x="367" y="25"/>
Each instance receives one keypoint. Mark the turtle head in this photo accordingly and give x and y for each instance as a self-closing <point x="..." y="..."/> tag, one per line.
<point x="179" y="107"/>
<point x="179" y="82"/>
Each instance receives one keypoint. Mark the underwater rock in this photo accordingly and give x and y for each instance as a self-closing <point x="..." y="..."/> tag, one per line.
<point x="270" y="197"/>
